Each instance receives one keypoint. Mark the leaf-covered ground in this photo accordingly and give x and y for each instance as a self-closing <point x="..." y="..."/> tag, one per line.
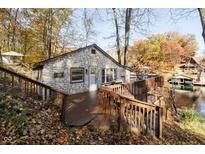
<point x="27" y="121"/>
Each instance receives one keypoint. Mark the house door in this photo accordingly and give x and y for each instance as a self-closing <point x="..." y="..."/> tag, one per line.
<point x="92" y="80"/>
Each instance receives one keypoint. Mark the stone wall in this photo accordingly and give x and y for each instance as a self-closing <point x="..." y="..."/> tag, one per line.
<point x="83" y="59"/>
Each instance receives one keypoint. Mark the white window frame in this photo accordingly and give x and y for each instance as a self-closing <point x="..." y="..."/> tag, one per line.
<point x="113" y="74"/>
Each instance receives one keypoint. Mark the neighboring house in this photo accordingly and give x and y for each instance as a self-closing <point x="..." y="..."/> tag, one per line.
<point x="82" y="70"/>
<point x="11" y="57"/>
<point x="194" y="68"/>
<point x="195" y="65"/>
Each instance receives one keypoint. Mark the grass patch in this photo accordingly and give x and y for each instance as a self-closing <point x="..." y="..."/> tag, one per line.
<point x="191" y="119"/>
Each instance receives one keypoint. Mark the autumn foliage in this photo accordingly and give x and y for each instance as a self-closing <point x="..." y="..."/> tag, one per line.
<point x="36" y="33"/>
<point x="162" y="51"/>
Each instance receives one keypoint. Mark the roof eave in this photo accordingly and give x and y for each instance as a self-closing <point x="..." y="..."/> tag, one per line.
<point x="40" y="64"/>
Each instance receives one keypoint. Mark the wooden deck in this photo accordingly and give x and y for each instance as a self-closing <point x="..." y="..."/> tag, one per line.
<point x="117" y="105"/>
<point x="84" y="108"/>
<point x="80" y="109"/>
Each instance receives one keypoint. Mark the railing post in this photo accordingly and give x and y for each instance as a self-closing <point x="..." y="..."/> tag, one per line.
<point x="39" y="91"/>
<point x="31" y="89"/>
<point x="48" y="93"/>
<point x="121" y="112"/>
<point x="43" y="93"/>
<point x="163" y="108"/>
<point x="160" y="120"/>
<point x="12" y="80"/>
<point x="4" y="78"/>
<point x="20" y="81"/>
<point x="25" y="87"/>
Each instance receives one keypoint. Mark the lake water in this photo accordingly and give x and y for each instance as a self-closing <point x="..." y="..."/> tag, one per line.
<point x="191" y="96"/>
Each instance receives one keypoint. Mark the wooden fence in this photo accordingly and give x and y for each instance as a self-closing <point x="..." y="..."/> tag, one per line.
<point x="129" y="112"/>
<point x="30" y="87"/>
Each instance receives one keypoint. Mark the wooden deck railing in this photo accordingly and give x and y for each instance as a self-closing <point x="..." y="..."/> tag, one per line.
<point x="130" y="112"/>
<point x="30" y="87"/>
<point x="138" y="89"/>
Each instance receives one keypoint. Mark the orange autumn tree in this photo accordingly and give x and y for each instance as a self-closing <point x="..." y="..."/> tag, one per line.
<point x="162" y="51"/>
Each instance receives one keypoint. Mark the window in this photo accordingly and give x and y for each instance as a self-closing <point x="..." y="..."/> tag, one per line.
<point x="109" y="75"/>
<point x="39" y="74"/>
<point x="93" y="51"/>
<point x="77" y="75"/>
<point x="115" y="74"/>
<point x="103" y="76"/>
<point x="58" y="75"/>
<point x="133" y="77"/>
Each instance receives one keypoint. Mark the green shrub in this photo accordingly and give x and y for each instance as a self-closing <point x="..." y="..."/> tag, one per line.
<point x="22" y="121"/>
<point x="13" y="112"/>
<point x="189" y="115"/>
<point x="19" y="117"/>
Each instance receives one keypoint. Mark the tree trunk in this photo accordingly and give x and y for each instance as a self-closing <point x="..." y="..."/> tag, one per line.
<point x="50" y="32"/>
<point x="127" y="34"/>
<point x="1" y="59"/>
<point x="14" y="31"/>
<point x="85" y="20"/>
<point x="117" y="35"/>
<point x="25" y="48"/>
<point x="44" y="37"/>
<point x="202" y="17"/>
<point x="9" y="29"/>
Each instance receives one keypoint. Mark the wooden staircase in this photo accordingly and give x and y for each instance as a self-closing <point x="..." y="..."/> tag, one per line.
<point x="30" y="87"/>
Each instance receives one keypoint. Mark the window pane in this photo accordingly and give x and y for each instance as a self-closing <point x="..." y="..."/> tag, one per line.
<point x="77" y="71"/>
<point x="115" y="74"/>
<point x="109" y="75"/>
<point x="93" y="51"/>
<point x="77" y="78"/>
<point x="93" y="71"/>
<point x="77" y="74"/>
<point x="103" y="75"/>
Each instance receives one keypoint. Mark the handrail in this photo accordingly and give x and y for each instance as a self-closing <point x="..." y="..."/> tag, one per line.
<point x="131" y="112"/>
<point x="30" y="80"/>
<point x="30" y="87"/>
<point x="33" y="88"/>
<point x="128" y="98"/>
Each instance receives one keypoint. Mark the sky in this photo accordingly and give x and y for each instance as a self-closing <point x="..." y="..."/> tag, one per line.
<point x="162" y="23"/>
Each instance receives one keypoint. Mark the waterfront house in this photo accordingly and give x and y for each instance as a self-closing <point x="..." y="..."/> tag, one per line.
<point x="82" y="70"/>
<point x="195" y="65"/>
<point x="194" y="68"/>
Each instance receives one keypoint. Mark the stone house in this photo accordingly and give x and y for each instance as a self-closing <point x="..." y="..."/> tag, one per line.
<point x="82" y="70"/>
